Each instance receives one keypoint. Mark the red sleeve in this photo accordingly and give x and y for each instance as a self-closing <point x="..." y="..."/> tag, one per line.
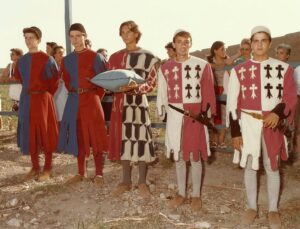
<point x="207" y="90"/>
<point x="17" y="74"/>
<point x="65" y="76"/>
<point x="150" y="83"/>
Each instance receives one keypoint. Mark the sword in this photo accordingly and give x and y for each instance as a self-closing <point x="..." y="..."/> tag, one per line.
<point x="201" y="117"/>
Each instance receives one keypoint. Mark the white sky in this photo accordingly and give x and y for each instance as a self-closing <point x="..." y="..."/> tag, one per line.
<point x="208" y="21"/>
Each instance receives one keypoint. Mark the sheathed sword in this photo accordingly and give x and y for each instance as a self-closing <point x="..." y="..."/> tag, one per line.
<point x="197" y="117"/>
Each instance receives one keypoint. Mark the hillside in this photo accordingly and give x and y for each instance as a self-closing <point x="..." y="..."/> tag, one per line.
<point x="292" y="39"/>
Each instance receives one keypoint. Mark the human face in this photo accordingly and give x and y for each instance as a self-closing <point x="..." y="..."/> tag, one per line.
<point x="128" y="36"/>
<point x="260" y="45"/>
<point x="282" y="54"/>
<point x="171" y="53"/>
<point x="77" y="39"/>
<point x="245" y="50"/>
<point x="182" y="46"/>
<point x="59" y="54"/>
<point x="13" y="56"/>
<point x="48" y="49"/>
<point x="104" y="54"/>
<point x="31" y="41"/>
<point x="220" y="52"/>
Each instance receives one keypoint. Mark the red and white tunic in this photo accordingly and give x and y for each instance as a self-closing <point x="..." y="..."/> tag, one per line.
<point x="260" y="87"/>
<point x="188" y="85"/>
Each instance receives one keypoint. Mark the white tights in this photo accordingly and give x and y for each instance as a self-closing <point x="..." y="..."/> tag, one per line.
<point x="181" y="171"/>
<point x="273" y="182"/>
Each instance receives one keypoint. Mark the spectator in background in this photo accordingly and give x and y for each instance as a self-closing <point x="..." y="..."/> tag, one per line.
<point x="58" y="54"/>
<point x="170" y="51"/>
<point x="245" y="50"/>
<point x="61" y="95"/>
<point x="49" y="47"/>
<point x="296" y="135"/>
<point x="8" y="72"/>
<point x="219" y="60"/>
<point x="8" y="76"/>
<point x="103" y="52"/>
<point x="88" y="43"/>
<point x="105" y="104"/>
<point x="283" y="52"/>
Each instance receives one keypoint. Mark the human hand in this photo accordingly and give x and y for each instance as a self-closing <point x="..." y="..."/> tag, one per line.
<point x="271" y="120"/>
<point x="237" y="143"/>
<point x="128" y="88"/>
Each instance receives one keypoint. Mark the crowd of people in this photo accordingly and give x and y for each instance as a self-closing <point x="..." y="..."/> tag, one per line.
<point x="60" y="109"/>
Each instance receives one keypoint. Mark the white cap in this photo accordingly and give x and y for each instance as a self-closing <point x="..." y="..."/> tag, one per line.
<point x="260" y="28"/>
<point x="179" y="31"/>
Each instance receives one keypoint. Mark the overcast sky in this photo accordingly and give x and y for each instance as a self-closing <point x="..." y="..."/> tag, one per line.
<point x="208" y="21"/>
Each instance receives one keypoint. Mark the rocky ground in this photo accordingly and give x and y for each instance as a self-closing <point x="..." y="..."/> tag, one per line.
<point x="51" y="204"/>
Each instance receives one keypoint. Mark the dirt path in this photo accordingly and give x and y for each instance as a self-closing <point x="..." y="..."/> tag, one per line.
<point x="53" y="205"/>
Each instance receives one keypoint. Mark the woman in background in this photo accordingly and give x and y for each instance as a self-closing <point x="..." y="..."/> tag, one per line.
<point x="219" y="60"/>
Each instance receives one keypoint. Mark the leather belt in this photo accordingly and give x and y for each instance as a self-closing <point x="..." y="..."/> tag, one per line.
<point x="82" y="90"/>
<point x="254" y="115"/>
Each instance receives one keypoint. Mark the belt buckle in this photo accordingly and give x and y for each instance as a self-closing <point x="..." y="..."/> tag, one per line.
<point x="80" y="90"/>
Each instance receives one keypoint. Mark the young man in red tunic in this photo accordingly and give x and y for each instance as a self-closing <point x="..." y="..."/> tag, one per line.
<point x="37" y="127"/>
<point x="130" y="132"/>
<point x="82" y="124"/>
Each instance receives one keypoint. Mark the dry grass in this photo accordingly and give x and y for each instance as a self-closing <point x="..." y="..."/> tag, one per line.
<point x="9" y="122"/>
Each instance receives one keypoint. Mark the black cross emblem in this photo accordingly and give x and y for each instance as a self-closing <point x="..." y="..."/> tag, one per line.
<point x="198" y="69"/>
<point x="198" y="91"/>
<point x="268" y="68"/>
<point x="279" y="68"/>
<point x="269" y="87"/>
<point x="279" y="88"/>
<point x="188" y="88"/>
<point x="187" y="68"/>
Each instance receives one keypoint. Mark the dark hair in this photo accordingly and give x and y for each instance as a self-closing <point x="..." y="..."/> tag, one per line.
<point x="101" y="50"/>
<point x="169" y="46"/>
<point x="133" y="27"/>
<point x="51" y="44"/>
<point x="35" y="30"/>
<point x="18" y="51"/>
<point x="55" y="48"/>
<point x="88" y="42"/>
<point x="78" y="27"/>
<point x="215" y="46"/>
<point x="182" y="34"/>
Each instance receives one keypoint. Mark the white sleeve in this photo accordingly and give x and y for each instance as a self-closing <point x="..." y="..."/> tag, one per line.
<point x="297" y="79"/>
<point x="232" y="96"/>
<point x="162" y="95"/>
